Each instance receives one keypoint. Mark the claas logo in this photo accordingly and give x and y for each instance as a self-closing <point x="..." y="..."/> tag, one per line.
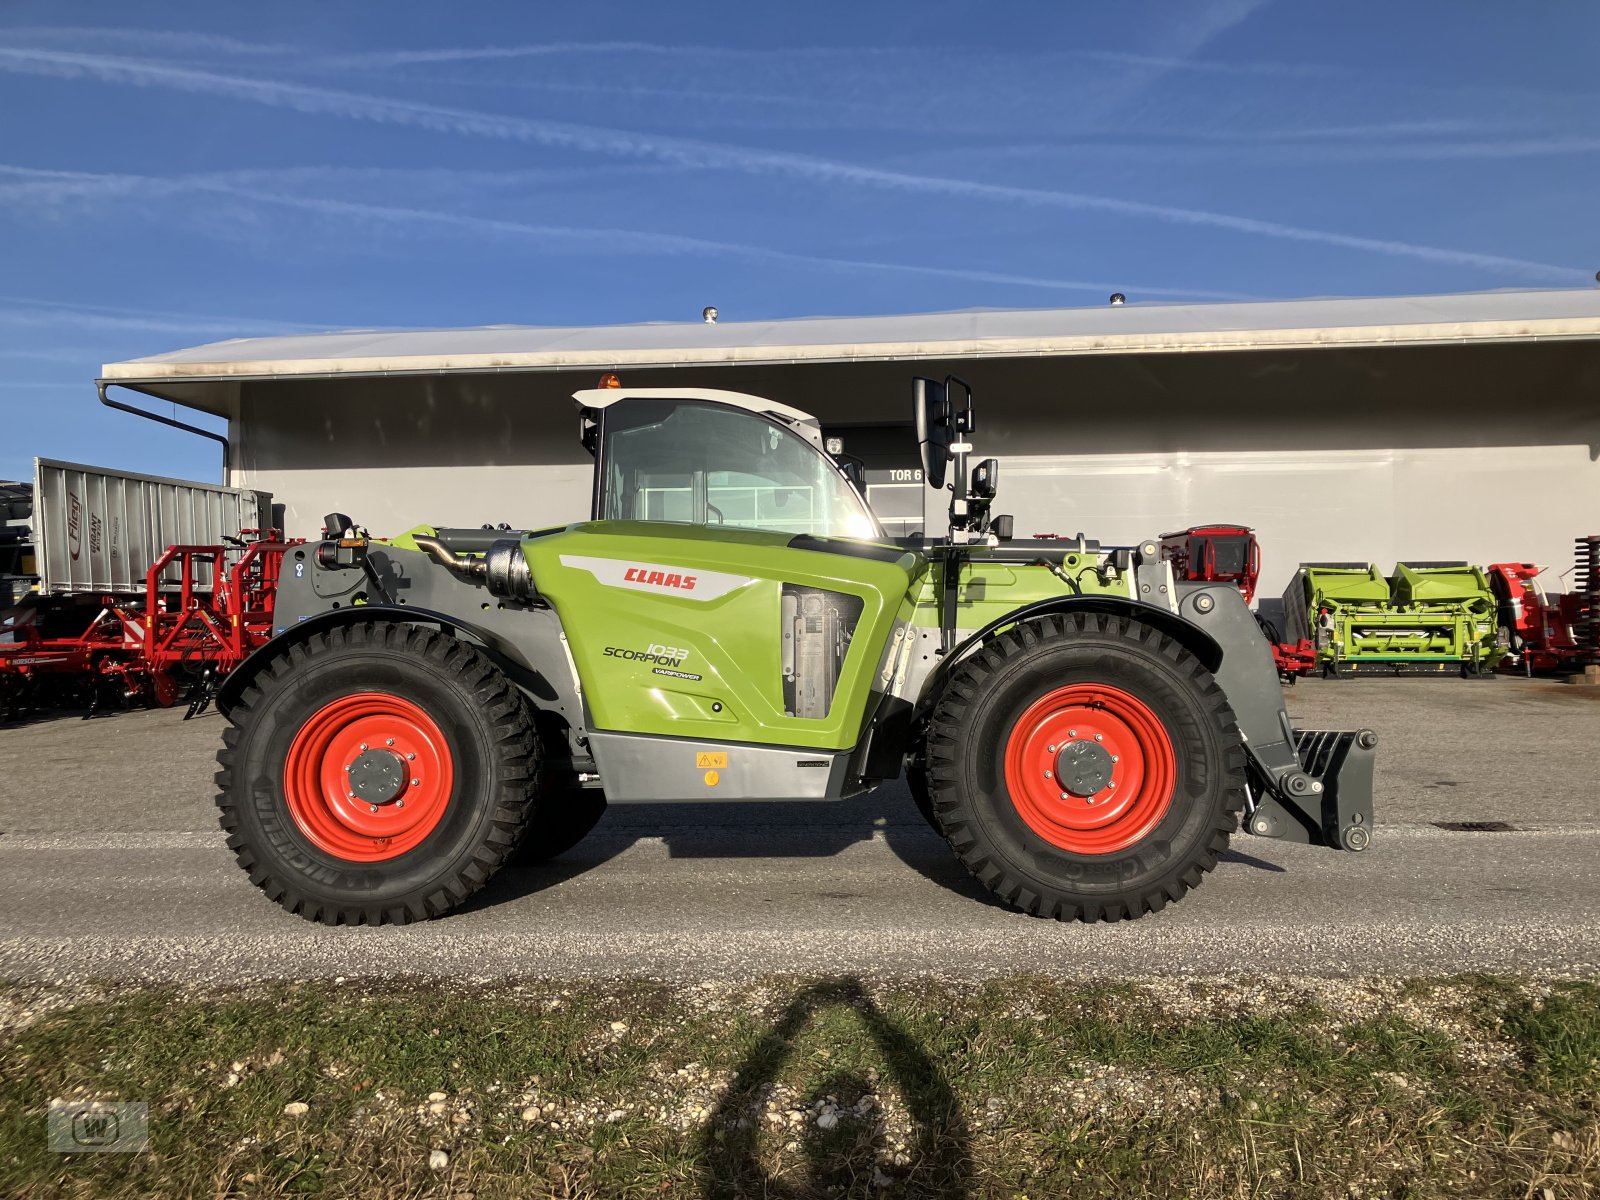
<point x="670" y="579"/>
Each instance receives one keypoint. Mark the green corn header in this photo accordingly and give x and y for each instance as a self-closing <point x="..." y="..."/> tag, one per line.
<point x="1425" y="619"/>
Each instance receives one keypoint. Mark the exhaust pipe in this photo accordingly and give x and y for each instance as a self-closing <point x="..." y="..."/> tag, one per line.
<point x="475" y="569"/>
<point x="503" y="569"/>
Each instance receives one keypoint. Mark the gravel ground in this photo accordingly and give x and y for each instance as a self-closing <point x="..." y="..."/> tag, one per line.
<point x="110" y="865"/>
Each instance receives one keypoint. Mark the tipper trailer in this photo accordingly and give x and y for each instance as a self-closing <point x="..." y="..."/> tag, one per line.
<point x="732" y="625"/>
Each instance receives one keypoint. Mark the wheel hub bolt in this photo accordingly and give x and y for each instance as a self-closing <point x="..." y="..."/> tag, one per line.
<point x="411" y="757"/>
<point x="363" y="745"/>
<point x="372" y="807"/>
<point x="415" y="781"/>
<point x="388" y="741"/>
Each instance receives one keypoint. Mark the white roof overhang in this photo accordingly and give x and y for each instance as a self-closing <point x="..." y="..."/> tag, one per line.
<point x="207" y="376"/>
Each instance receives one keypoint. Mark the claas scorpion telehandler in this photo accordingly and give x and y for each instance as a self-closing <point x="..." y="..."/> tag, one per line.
<point x="732" y="624"/>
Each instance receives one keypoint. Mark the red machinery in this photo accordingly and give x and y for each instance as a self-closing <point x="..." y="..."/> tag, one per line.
<point x="1215" y="554"/>
<point x="1550" y="632"/>
<point x="1232" y="554"/>
<point x="147" y="647"/>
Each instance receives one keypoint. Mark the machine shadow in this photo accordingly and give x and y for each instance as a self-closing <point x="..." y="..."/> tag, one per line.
<point x="774" y="829"/>
<point x="842" y="1161"/>
<point x="1250" y="860"/>
<point x="753" y="829"/>
<point x="19" y="718"/>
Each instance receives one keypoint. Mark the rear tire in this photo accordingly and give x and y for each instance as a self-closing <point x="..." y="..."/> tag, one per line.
<point x="1033" y="700"/>
<point x="435" y="713"/>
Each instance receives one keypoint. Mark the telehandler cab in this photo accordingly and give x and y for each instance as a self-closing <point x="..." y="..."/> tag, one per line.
<point x="732" y="624"/>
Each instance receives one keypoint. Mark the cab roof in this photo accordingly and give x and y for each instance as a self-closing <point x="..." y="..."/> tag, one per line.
<point x="802" y="422"/>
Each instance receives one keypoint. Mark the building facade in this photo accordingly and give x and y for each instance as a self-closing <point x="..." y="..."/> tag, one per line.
<point x="1394" y="429"/>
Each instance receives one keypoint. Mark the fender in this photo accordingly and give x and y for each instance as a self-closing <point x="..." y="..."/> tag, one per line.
<point x="1193" y="639"/>
<point x="231" y="688"/>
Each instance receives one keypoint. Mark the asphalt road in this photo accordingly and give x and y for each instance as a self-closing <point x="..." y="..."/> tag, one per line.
<point x="110" y="865"/>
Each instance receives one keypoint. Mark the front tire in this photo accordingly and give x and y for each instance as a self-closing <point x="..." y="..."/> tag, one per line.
<point x="1085" y="767"/>
<point x="438" y="744"/>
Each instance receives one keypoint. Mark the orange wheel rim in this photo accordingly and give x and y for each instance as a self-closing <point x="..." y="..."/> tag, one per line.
<point x="368" y="777"/>
<point x="1090" y="768"/>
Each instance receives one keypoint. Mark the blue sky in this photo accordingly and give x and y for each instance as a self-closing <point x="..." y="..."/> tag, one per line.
<point x="214" y="171"/>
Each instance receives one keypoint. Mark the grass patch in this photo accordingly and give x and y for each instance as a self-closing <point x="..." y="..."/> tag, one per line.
<point x="816" y="1088"/>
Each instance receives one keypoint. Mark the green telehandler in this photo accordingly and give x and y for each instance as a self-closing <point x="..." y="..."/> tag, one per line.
<point x="733" y="625"/>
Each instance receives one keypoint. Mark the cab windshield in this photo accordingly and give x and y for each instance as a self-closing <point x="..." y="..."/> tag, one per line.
<point x="710" y="464"/>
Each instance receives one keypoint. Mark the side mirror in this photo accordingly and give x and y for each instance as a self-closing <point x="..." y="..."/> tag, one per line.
<point x="1001" y="527"/>
<point x="985" y="479"/>
<point x="935" y="432"/>
<point x="852" y="470"/>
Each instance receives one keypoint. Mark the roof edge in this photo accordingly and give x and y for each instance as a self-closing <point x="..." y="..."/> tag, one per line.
<point x="1554" y="328"/>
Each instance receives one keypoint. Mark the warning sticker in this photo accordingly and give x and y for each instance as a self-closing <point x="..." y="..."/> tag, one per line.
<point x="711" y="758"/>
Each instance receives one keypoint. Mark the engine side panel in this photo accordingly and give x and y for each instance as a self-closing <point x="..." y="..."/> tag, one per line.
<point x="727" y="635"/>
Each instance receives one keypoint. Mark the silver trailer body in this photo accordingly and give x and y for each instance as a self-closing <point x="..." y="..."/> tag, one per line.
<point x="16" y="542"/>
<point x="96" y="530"/>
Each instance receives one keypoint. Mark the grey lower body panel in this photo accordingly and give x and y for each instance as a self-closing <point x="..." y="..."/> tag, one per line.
<point x="642" y="768"/>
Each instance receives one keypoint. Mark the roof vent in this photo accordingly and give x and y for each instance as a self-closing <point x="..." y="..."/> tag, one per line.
<point x="1118" y="298"/>
<point x="708" y="314"/>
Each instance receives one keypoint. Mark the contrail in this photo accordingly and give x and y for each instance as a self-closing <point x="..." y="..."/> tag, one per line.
<point x="55" y="186"/>
<point x="35" y="312"/>
<point x="167" y="39"/>
<point x="713" y="155"/>
<point x="182" y="40"/>
<point x="1291" y="152"/>
<point x="53" y="318"/>
<point x="673" y="244"/>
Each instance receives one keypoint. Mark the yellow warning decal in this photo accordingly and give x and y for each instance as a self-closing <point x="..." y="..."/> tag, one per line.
<point x="711" y="758"/>
<point x="712" y="779"/>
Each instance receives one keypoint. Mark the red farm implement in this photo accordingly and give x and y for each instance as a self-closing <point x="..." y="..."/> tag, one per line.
<point x="1215" y="554"/>
<point x="1550" y="631"/>
<point x="180" y="633"/>
<point x="1232" y="554"/>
